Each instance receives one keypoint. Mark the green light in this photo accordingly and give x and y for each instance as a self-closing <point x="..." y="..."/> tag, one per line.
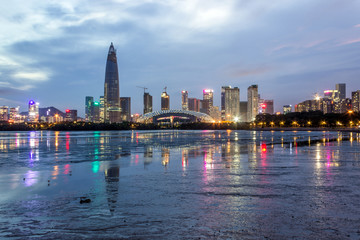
<point x="95" y="166"/>
<point x="96" y="103"/>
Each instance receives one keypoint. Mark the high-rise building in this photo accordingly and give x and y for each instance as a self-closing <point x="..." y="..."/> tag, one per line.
<point x="88" y="108"/>
<point x="230" y="103"/>
<point x="332" y="95"/>
<point x="266" y="106"/>
<point x="14" y="115"/>
<point x="70" y="115"/>
<point x="253" y="99"/>
<point x="287" y="109"/>
<point x="355" y="101"/>
<point x="111" y="88"/>
<point x="165" y="101"/>
<point x="208" y="100"/>
<point x="243" y="111"/>
<point x="101" y="109"/>
<point x="4" y="113"/>
<point x="95" y="112"/>
<point x="184" y="100"/>
<point x="125" y="104"/>
<point x="33" y="114"/>
<point x="147" y="103"/>
<point x="341" y="88"/>
<point x="194" y="104"/>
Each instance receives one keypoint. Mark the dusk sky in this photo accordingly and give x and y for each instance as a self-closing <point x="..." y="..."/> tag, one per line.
<point x="54" y="52"/>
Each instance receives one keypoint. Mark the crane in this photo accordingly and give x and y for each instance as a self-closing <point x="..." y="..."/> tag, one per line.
<point x="142" y="88"/>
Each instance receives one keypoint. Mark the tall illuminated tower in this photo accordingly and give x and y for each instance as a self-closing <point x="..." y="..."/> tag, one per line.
<point x="111" y="88"/>
<point x="253" y="101"/>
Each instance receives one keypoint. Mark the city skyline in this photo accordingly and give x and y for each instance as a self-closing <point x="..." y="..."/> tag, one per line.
<point x="55" y="53"/>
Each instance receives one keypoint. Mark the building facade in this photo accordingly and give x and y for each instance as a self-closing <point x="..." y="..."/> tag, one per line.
<point x="125" y="105"/>
<point x="341" y="88"/>
<point x="230" y="103"/>
<point x="194" y="104"/>
<point x="184" y="100"/>
<point x="148" y="104"/>
<point x="253" y="101"/>
<point x="165" y="101"/>
<point x="111" y="88"/>
<point x="355" y="101"/>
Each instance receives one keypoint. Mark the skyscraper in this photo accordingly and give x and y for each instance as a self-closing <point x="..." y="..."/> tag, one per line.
<point x="253" y="99"/>
<point x="33" y="115"/>
<point x="208" y="100"/>
<point x="147" y="103"/>
<point x="230" y="103"/>
<point x="355" y="101"/>
<point x="341" y="87"/>
<point x="111" y="88"/>
<point x="165" y="101"/>
<point x="88" y="108"/>
<point x="184" y="100"/>
<point x="125" y="105"/>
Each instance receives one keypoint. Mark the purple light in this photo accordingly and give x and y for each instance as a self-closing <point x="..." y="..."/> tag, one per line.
<point x="31" y="102"/>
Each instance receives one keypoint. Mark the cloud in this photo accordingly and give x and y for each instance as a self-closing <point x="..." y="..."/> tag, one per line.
<point x="36" y="76"/>
<point x="350" y="41"/>
<point x="357" y="26"/>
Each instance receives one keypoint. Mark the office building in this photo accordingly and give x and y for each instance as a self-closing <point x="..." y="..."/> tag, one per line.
<point x="287" y="109"/>
<point x="125" y="105"/>
<point x="165" y="101"/>
<point x="207" y="102"/>
<point x="194" y="104"/>
<point x="88" y="108"/>
<point x="148" y="105"/>
<point x="230" y="103"/>
<point x="101" y="109"/>
<point x="332" y="95"/>
<point x="70" y="115"/>
<point x="111" y="88"/>
<point x="355" y="101"/>
<point x="341" y="88"/>
<point x="4" y="113"/>
<point x="253" y="100"/>
<point x="266" y="106"/>
<point x="184" y="100"/>
<point x="33" y="114"/>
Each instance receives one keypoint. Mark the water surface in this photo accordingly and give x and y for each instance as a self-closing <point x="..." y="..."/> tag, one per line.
<point x="179" y="185"/>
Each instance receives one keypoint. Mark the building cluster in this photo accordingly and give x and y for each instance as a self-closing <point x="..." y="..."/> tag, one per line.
<point x="36" y="114"/>
<point x="333" y="101"/>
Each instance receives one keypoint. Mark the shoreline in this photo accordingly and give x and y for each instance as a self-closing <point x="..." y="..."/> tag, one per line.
<point x="302" y="129"/>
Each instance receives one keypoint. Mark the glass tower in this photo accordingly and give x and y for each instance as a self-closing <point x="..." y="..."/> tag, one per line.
<point x="111" y="88"/>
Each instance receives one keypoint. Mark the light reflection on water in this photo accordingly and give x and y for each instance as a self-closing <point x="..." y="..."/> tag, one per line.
<point x="235" y="172"/>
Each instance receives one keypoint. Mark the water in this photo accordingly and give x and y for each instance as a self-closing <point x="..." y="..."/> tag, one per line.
<point x="179" y="185"/>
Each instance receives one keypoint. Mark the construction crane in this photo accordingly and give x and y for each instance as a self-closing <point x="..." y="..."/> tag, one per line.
<point x="142" y="88"/>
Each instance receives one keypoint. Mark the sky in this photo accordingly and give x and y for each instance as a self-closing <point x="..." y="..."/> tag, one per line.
<point x="54" y="52"/>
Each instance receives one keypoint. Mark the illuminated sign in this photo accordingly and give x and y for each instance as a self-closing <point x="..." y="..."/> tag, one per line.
<point x="263" y="106"/>
<point x="208" y="90"/>
<point x="67" y="110"/>
<point x="31" y="102"/>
